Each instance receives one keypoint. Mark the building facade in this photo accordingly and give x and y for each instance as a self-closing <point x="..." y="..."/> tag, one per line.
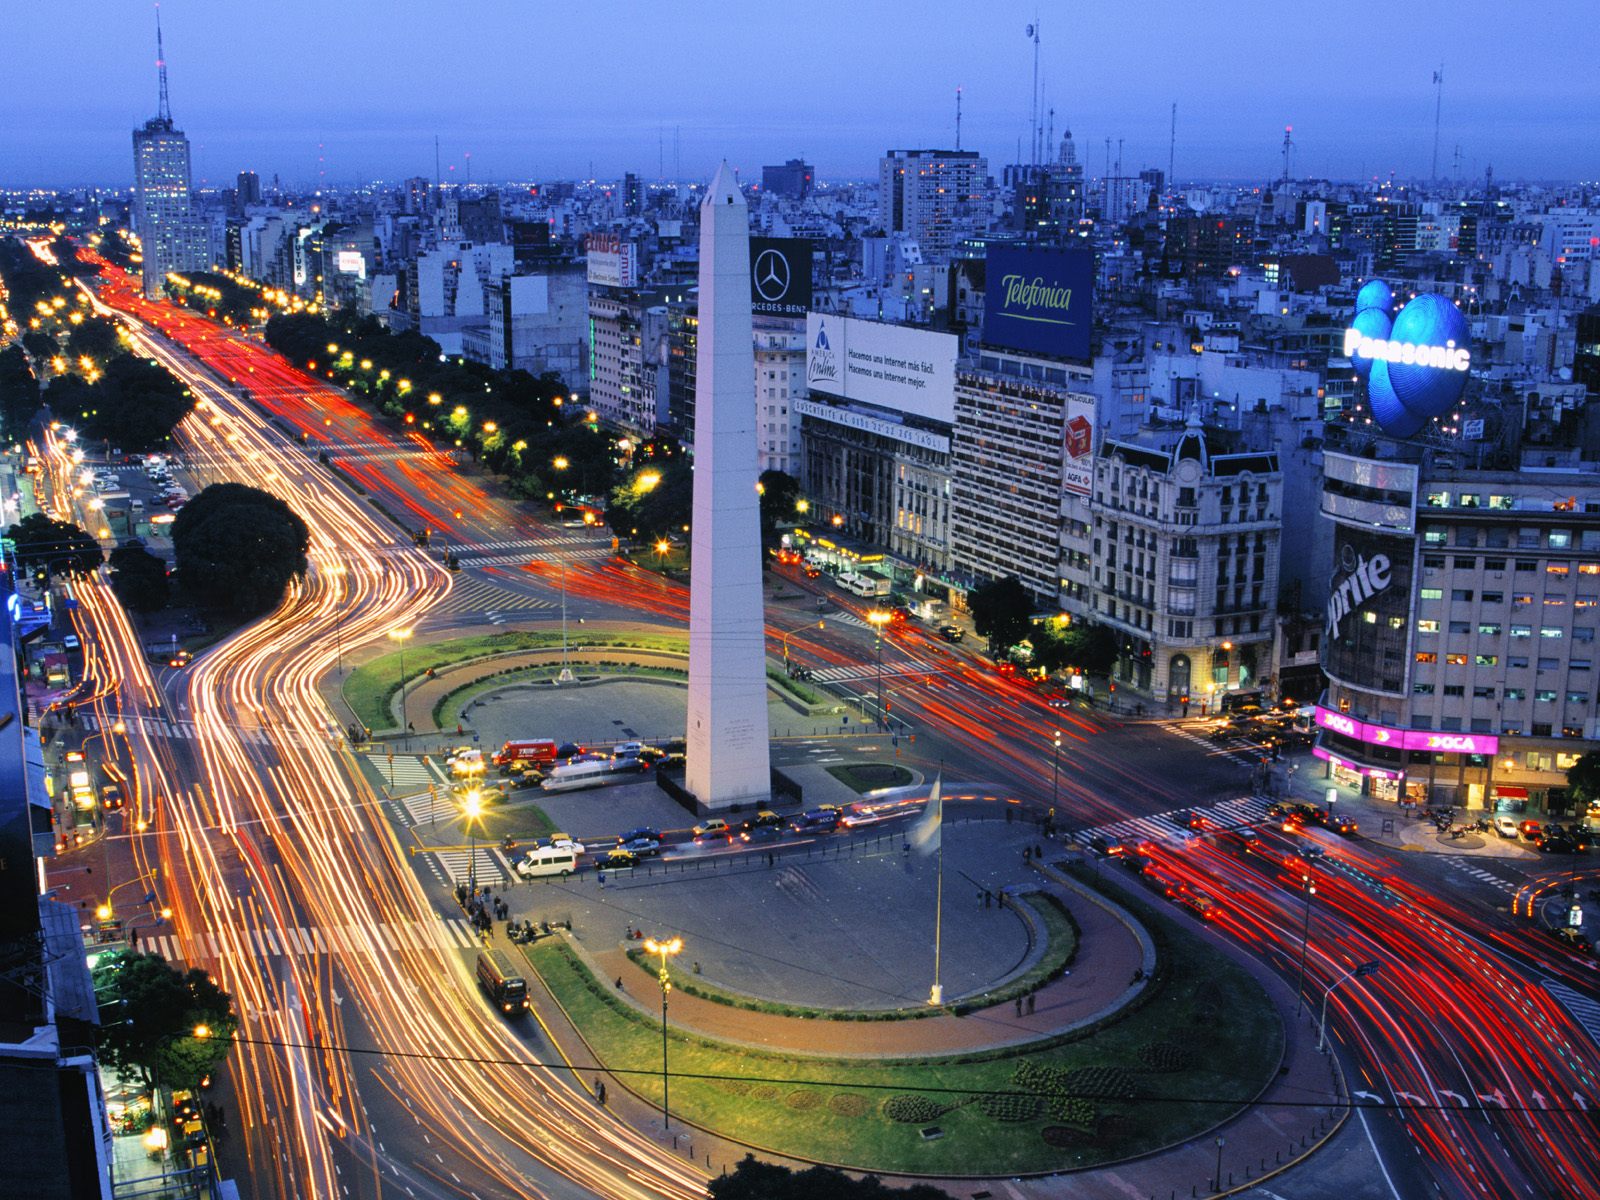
<point x="936" y="196"/>
<point x="1181" y="548"/>
<point x="780" y="380"/>
<point x="170" y="239"/>
<point x="1461" y="631"/>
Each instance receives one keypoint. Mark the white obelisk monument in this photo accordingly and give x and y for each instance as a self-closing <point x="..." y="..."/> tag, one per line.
<point x="728" y="760"/>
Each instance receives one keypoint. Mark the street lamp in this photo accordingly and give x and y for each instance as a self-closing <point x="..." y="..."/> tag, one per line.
<point x="473" y="807"/>
<point x="1358" y="972"/>
<point x="790" y="634"/>
<point x="402" y="636"/>
<point x="1055" y="775"/>
<point x="664" y="950"/>
<point x="879" y="619"/>
<point x="338" y="571"/>
<point x="1216" y="1184"/>
<point x="1305" y="938"/>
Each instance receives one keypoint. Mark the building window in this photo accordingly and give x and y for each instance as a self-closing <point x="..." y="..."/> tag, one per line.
<point x="1589" y="568"/>
<point x="1427" y="656"/>
<point x="1517" y="663"/>
<point x="1545" y="695"/>
<point x="1455" y="660"/>
<point x="1559" y="539"/>
<point x="1461" y="595"/>
<point x="1556" y="568"/>
<point x="1422" y="689"/>
<point x="1577" y="698"/>
<point x="1468" y="500"/>
<point x="1433" y="537"/>
<point x="1578" y="664"/>
<point x="1494" y="564"/>
<point x="1516" y="693"/>
<point x="1550" y="664"/>
<point x="1494" y="597"/>
<point x="1426" y="626"/>
<point x="1483" y="693"/>
<point x="1546" y="632"/>
<point x="1521" y="631"/>
<point x="1454" y="689"/>
<point x="1502" y="502"/>
<point x="1487" y="660"/>
<point x="1521" y="600"/>
<point x="1489" y="629"/>
<point x="1583" y="635"/>
<point x="1432" y="593"/>
<point x="1460" y="627"/>
<point x="1554" y="602"/>
<point x="1527" y="564"/>
<point x="1438" y="500"/>
<point x="1464" y="562"/>
<point x="1433" y="562"/>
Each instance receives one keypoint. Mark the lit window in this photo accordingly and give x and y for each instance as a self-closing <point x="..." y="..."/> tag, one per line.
<point x="1455" y="660"/>
<point x="1426" y="626"/>
<point x="1427" y="656"/>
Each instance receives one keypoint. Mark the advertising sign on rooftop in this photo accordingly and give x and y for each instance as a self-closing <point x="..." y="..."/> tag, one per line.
<point x="612" y="261"/>
<point x="780" y="276"/>
<point x="1078" y="473"/>
<point x="1039" y="301"/>
<point x="1415" y="361"/>
<point x="911" y="371"/>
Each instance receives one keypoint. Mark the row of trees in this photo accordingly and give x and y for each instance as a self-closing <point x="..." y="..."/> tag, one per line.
<point x="163" y="1025"/>
<point x="1002" y="612"/>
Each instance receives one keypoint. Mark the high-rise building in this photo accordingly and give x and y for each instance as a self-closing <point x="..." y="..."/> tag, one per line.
<point x="248" y="191"/>
<point x="935" y="196"/>
<point x="632" y="195"/>
<point x="170" y="238"/>
<point x="793" y="179"/>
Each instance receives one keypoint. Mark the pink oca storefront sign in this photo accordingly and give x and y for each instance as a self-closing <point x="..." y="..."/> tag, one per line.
<point x="1408" y="739"/>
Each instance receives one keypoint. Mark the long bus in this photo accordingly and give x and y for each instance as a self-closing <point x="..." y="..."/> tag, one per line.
<point x="571" y="777"/>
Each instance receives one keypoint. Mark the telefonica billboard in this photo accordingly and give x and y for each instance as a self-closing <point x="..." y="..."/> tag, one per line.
<point x="1039" y="301"/>
<point x="1415" y="361"/>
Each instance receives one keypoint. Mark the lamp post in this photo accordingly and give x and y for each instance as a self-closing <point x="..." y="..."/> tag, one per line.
<point x="338" y="572"/>
<point x="791" y="633"/>
<point x="879" y="619"/>
<point x="402" y="636"/>
<point x="1357" y="972"/>
<point x="1055" y="774"/>
<point x="472" y="806"/>
<point x="1216" y="1184"/>
<point x="664" y="950"/>
<point x="1305" y="938"/>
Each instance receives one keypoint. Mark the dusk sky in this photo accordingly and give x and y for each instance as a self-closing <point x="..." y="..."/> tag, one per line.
<point x="537" y="91"/>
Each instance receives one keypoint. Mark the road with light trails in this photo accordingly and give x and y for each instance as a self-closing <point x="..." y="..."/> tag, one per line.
<point x="254" y="841"/>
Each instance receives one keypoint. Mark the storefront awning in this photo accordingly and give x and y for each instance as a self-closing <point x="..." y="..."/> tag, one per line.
<point x="1510" y="793"/>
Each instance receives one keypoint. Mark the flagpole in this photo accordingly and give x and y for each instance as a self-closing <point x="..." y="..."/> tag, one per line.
<point x="936" y="998"/>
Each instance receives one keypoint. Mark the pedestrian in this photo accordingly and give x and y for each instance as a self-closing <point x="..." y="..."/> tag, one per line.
<point x="771" y="859"/>
<point x="1031" y="997"/>
<point x="600" y="876"/>
<point x="133" y="939"/>
<point x="1019" y="1006"/>
<point x="600" y="1091"/>
<point x="619" y="983"/>
<point x="1038" y="852"/>
<point x="988" y="898"/>
<point x="980" y="899"/>
<point x="1027" y="855"/>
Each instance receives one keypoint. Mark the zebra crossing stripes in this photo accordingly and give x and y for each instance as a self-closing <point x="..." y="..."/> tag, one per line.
<point x="444" y="935"/>
<point x="1479" y="873"/>
<point x="1242" y="810"/>
<point x="188" y="731"/>
<point x="523" y="544"/>
<point x="426" y="807"/>
<point x="492" y="866"/>
<point x="404" y="770"/>
<point x="476" y="595"/>
<point x="856" y="673"/>
<point x="1585" y="1010"/>
<point x="506" y="560"/>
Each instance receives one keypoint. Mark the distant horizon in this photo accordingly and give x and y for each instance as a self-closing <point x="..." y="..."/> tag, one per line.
<point x="514" y="92"/>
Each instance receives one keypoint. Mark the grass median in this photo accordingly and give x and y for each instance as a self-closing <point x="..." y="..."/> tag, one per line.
<point x="1202" y="1043"/>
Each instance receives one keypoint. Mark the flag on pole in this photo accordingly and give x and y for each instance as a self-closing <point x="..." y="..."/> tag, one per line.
<point x="925" y="834"/>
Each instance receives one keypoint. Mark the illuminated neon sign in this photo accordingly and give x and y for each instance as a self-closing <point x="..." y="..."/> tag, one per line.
<point x="1449" y="356"/>
<point x="1415" y="361"/>
<point x="1408" y="739"/>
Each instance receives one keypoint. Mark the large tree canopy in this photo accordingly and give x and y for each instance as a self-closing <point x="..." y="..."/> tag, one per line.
<point x="153" y="1013"/>
<point x="238" y="547"/>
<point x="139" y="578"/>
<point x="1000" y="612"/>
<point x="60" y="547"/>
<point x="753" y="1180"/>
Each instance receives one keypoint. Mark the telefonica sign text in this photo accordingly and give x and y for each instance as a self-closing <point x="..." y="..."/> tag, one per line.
<point x="1448" y="357"/>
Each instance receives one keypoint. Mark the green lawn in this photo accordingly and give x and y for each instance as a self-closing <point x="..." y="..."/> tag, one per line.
<point x="1206" y="1040"/>
<point x="453" y="702"/>
<point x="866" y="777"/>
<point x="370" y="688"/>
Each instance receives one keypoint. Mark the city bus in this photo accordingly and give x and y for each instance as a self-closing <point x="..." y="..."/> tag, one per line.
<point x="499" y="981"/>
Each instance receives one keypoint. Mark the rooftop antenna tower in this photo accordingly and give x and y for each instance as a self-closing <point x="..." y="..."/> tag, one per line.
<point x="1438" y="105"/>
<point x="1033" y="32"/>
<point x="958" y="116"/>
<point x="164" y="107"/>
<point x="1172" y="143"/>
<point x="438" y="176"/>
<point x="1288" y="150"/>
<point x="1049" y="136"/>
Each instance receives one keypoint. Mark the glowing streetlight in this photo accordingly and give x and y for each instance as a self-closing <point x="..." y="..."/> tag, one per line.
<point x="880" y="618"/>
<point x="472" y="807"/>
<point x="402" y="636"/>
<point x="664" y="950"/>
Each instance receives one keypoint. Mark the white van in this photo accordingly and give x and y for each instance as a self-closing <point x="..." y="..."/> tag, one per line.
<point x="551" y="860"/>
<point x="466" y="762"/>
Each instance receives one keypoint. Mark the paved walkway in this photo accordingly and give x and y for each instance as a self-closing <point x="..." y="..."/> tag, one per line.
<point x="1100" y="981"/>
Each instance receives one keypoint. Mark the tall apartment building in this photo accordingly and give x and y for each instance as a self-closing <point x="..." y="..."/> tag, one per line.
<point x="537" y="321"/>
<point x="780" y="381"/>
<point x="793" y="179"/>
<point x="630" y="352"/>
<point x="935" y="196"/>
<point x="248" y="191"/>
<point x="1462" y="628"/>
<point x="1179" y="554"/>
<point x="1008" y="454"/>
<point x="170" y="238"/>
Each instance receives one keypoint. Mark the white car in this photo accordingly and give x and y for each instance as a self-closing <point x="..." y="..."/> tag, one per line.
<point x="1507" y="827"/>
<point x="567" y="844"/>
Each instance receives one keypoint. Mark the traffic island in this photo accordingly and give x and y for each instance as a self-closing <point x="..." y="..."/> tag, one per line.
<point x="1003" y="1091"/>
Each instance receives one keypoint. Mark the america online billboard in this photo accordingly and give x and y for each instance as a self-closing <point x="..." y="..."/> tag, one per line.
<point x="1415" y="361"/>
<point x="894" y="366"/>
<point x="1039" y="301"/>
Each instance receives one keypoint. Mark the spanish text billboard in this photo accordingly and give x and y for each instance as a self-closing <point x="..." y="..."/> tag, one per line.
<point x="908" y="370"/>
<point x="611" y="260"/>
<point x="1039" y="301"/>
<point x="780" y="276"/>
<point x="1077" y="474"/>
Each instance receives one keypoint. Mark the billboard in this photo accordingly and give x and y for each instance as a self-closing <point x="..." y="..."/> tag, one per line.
<point x="350" y="262"/>
<point x="911" y="371"/>
<point x="780" y="276"/>
<point x="1415" y="361"/>
<point x="1039" y="301"/>
<point x="612" y="261"/>
<point x="1407" y="739"/>
<point x="1368" y="620"/>
<point x="1078" y="455"/>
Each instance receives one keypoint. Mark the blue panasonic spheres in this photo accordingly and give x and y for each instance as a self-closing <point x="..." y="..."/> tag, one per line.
<point x="1404" y="396"/>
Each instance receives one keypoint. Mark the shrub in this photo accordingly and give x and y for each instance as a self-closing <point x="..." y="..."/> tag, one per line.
<point x="803" y="1099"/>
<point x="1101" y="1083"/>
<point x="1009" y="1106"/>
<point x="848" y="1104"/>
<point x="1114" y="1125"/>
<point x="1061" y="1136"/>
<point x="763" y="1091"/>
<point x="912" y="1110"/>
<point x="1166" y="1056"/>
<point x="735" y="1087"/>
<point x="1070" y="1108"/>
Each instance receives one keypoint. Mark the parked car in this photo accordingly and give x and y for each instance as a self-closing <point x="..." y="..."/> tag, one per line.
<point x="1572" y="939"/>
<point x="1506" y="827"/>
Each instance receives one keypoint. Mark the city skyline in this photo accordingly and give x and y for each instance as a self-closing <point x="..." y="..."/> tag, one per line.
<point x="837" y="87"/>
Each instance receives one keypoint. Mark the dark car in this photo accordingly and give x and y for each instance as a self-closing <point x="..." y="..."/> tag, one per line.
<point x="569" y="750"/>
<point x="1556" y="843"/>
<point x="1342" y="824"/>
<point x="618" y="860"/>
<point x="1572" y="939"/>
<point x="766" y="818"/>
<point x="641" y="847"/>
<point x="760" y="834"/>
<point x="952" y="633"/>
<point x="641" y="833"/>
<point x="816" y="820"/>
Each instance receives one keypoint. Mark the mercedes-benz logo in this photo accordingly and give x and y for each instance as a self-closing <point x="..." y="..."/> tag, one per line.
<point x="772" y="276"/>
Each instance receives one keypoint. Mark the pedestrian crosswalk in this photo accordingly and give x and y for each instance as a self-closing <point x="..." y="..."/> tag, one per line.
<point x="154" y="726"/>
<point x="1165" y="827"/>
<point x="1585" y="1010"/>
<point x="524" y="544"/>
<point x="443" y="936"/>
<point x="506" y="560"/>
<point x="1468" y="868"/>
<point x="479" y="595"/>
<point x="491" y="866"/>
<point x="1233" y="746"/>
<point x="868" y="671"/>
<point x="405" y="772"/>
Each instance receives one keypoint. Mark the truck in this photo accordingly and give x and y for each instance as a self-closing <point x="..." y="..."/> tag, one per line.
<point x="539" y="751"/>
